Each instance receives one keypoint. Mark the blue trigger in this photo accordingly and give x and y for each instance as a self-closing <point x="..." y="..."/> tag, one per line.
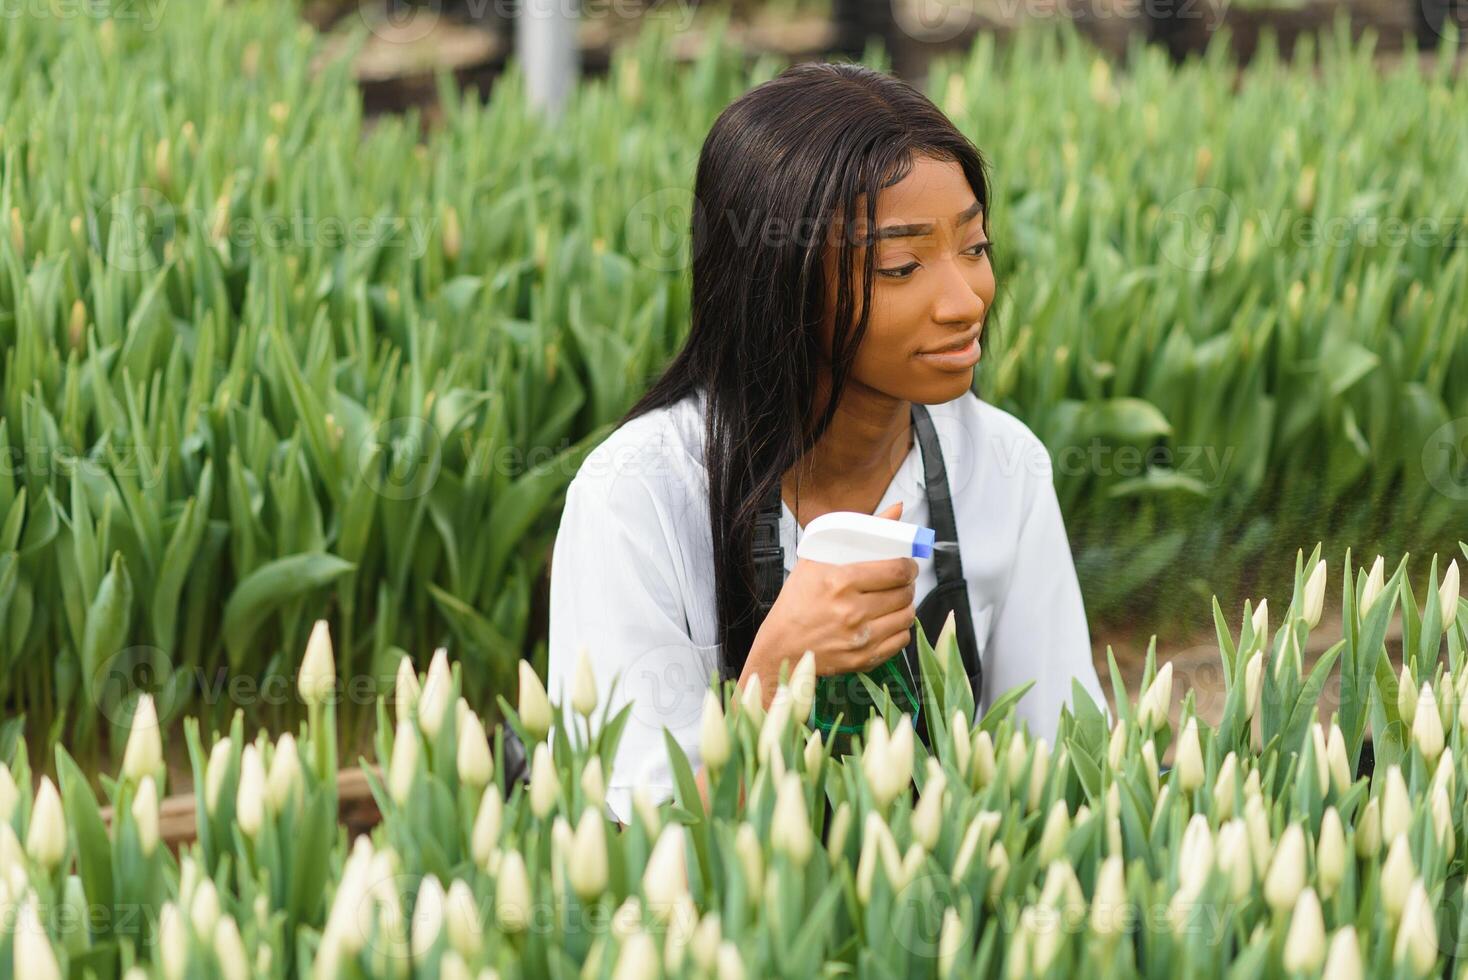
<point x="922" y="543"/>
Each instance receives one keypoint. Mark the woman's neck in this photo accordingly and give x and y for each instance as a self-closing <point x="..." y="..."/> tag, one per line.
<point x="855" y="459"/>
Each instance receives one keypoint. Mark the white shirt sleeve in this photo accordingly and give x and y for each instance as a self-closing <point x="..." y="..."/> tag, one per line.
<point x="1039" y="631"/>
<point x="615" y="591"/>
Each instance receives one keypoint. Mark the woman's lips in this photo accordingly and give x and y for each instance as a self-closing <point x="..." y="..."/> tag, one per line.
<point x="964" y="357"/>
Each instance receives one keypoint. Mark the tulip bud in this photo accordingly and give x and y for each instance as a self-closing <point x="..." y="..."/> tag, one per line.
<point x="1304" y="950"/>
<point x="637" y="959"/>
<point x="1330" y="853"/>
<point x="250" y="795"/>
<point x="45" y="839"/>
<point x="512" y="893"/>
<point x="1057" y="829"/>
<point x="402" y="768"/>
<point x="1396" y="807"/>
<point x="1260" y="622"/>
<point x="1116" y="747"/>
<point x="534" y="707"/>
<point x="1447" y="596"/>
<point x="1406" y="696"/>
<point x="1189" y="760"/>
<point x="1253" y="677"/>
<point x="1343" y="961"/>
<point x="593" y="783"/>
<point x="814" y="753"/>
<point x="803" y="687"/>
<point x="229" y="949"/>
<point x="1397" y="874"/>
<point x="998" y="862"/>
<point x="927" y="816"/>
<point x="790" y="826"/>
<point x="204" y="907"/>
<point x="473" y="760"/>
<point x="453" y="239"/>
<point x="730" y="963"/>
<point x="427" y="917"/>
<point x="646" y="810"/>
<point x="145" y="815"/>
<point x="1156" y="701"/>
<point x="461" y="920"/>
<point x="1427" y="728"/>
<point x="406" y="689"/>
<point x="214" y="773"/>
<point x="1375" y="584"/>
<point x="1368" y="830"/>
<point x="437" y="694"/>
<point x="962" y="746"/>
<point x="1336" y="761"/>
<point x="1039" y="773"/>
<point x="317" y="677"/>
<point x="1442" y="821"/>
<point x="583" y="686"/>
<point x="840" y="827"/>
<point x="713" y="737"/>
<point x="1149" y="765"/>
<point x="1286" y="876"/>
<point x="752" y="701"/>
<point x="143" y="755"/>
<point x="951" y="940"/>
<point x="544" y="786"/>
<point x="1108" y="908"/>
<point x="34" y="956"/>
<point x="1314" y="603"/>
<point x="1225" y="786"/>
<point x="284" y="774"/>
<point x="1234" y="858"/>
<point x="665" y="879"/>
<point x="1416" y="944"/>
<point x="984" y="763"/>
<point x="588" y="869"/>
<point x="485" y="836"/>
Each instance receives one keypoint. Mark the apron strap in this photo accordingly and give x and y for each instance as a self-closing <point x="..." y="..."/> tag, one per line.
<point x="948" y="565"/>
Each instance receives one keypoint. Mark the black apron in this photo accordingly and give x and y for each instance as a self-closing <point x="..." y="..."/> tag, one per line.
<point x="950" y="594"/>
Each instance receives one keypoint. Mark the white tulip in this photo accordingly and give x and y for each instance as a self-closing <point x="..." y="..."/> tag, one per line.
<point x="803" y="687"/>
<point x="214" y="773"/>
<point x="1447" y="596"/>
<point x="402" y="768"/>
<point x="451" y="966"/>
<point x="1234" y="858"/>
<point x="1396" y="806"/>
<point x="1442" y="821"/>
<point x="250" y="794"/>
<point x="588" y="869"/>
<point x="730" y="963"/>
<point x="461" y="920"/>
<point x="1116" y="746"/>
<point x="1336" y="760"/>
<point x="1286" y="876"/>
<point x="1253" y="686"/>
<point x="512" y="893"/>
<point x="1368" y="830"/>
<point x="9" y="794"/>
<point x="814" y="753"/>
<point x="1318" y="760"/>
<point x="772" y="729"/>
<point x="752" y="701"/>
<point x="927" y="816"/>
<point x="998" y="862"/>
<point x="285" y="773"/>
<point x="1416" y="943"/>
<point x="229" y="949"/>
<point x="1330" y="853"/>
<point x="583" y="685"/>
<point x="1406" y="696"/>
<point x="1304" y="949"/>
<point x="647" y="810"/>
<point x="750" y="852"/>
<point x="143" y="755"/>
<point x="1057" y="829"/>
<point x="473" y="761"/>
<point x="544" y="786"/>
<point x="406" y="689"/>
<point x="35" y="958"/>
<point x="1150" y="766"/>
<point x="1314" y="596"/>
<point x="145" y="815"/>
<point x="1189" y="760"/>
<point x="437" y="694"/>
<point x="962" y="746"/>
<point x="485" y="837"/>
<point x="317" y="677"/>
<point x="840" y="827"/>
<point x="1427" y="728"/>
<point x="790" y="826"/>
<point x="1397" y="874"/>
<point x="713" y="737"/>
<point x="665" y="879"/>
<point x="534" y="707"/>
<point x="679" y="936"/>
<point x="427" y="917"/>
<point x="983" y="764"/>
<point x="1156" y="701"/>
<point x="1109" y="907"/>
<point x="45" y="839"/>
<point x="951" y="941"/>
<point x="1343" y="960"/>
<point x="594" y="783"/>
<point x="1375" y="584"/>
<point x="173" y="941"/>
<point x="637" y="959"/>
<point x="707" y="937"/>
<point x="1260" y="622"/>
<point x="1226" y="786"/>
<point x="1039" y="773"/>
<point x="204" y="907"/>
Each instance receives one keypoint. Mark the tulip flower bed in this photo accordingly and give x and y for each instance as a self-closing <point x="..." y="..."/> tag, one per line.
<point x="263" y="361"/>
<point x="1258" y="853"/>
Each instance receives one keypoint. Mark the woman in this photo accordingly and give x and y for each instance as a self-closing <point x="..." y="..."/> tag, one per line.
<point x="799" y="393"/>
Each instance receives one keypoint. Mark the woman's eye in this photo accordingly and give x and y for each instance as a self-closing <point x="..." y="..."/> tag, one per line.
<point x="903" y="271"/>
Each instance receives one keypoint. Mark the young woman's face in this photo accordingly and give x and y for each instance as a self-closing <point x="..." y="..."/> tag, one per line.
<point x="932" y="287"/>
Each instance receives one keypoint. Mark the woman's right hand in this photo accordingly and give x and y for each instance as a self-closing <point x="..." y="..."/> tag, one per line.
<point x="852" y="616"/>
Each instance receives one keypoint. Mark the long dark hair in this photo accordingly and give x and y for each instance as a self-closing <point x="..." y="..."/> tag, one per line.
<point x="779" y="166"/>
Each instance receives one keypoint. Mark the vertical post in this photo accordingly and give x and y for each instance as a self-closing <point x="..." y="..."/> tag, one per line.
<point x="545" y="44"/>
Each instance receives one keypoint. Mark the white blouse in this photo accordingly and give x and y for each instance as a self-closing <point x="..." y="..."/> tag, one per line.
<point x="632" y="576"/>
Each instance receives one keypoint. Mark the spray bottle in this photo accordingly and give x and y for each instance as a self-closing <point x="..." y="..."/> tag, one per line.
<point x="839" y="538"/>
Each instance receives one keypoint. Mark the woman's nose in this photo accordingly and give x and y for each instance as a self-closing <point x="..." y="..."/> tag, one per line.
<point x="956" y="301"/>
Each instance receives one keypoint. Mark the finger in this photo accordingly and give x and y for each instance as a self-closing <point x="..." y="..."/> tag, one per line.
<point x="893" y="513"/>
<point x="882" y="574"/>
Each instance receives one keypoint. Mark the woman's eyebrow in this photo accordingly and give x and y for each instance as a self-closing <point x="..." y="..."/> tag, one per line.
<point x="909" y="231"/>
